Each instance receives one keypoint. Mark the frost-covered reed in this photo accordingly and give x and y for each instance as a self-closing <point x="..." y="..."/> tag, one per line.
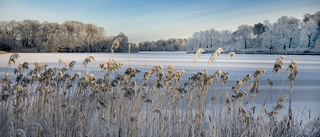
<point x="51" y="101"/>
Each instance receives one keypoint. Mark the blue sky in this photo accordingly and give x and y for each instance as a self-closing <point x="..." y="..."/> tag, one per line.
<point x="144" y="20"/>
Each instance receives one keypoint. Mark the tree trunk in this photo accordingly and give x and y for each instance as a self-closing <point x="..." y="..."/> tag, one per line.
<point x="309" y="41"/>
<point x="290" y="42"/>
<point x="245" y="43"/>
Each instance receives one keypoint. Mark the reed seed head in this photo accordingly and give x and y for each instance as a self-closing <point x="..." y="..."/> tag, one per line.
<point x="215" y="55"/>
<point x="279" y="107"/>
<point x="213" y="58"/>
<point x="37" y="64"/>
<point x="61" y="60"/>
<point x="148" y="100"/>
<point x="160" y="85"/>
<point x="157" y="111"/>
<point x="71" y="65"/>
<point x="115" y="82"/>
<point x="232" y="54"/>
<point x="278" y="64"/>
<point x="25" y="65"/>
<point x="88" y="60"/>
<point x="178" y="74"/>
<point x="87" y="73"/>
<point x="258" y="73"/>
<point x="129" y="93"/>
<point x="116" y="43"/>
<point x="293" y="68"/>
<point x="13" y="58"/>
<point x="239" y="95"/>
<point x="270" y="83"/>
<point x="238" y="86"/>
<point x="283" y="57"/>
<point x="198" y="53"/>
<point x="19" y="88"/>
<point x="224" y="77"/>
<point x="282" y="99"/>
<point x="219" y="50"/>
<point x="66" y="64"/>
<point x="247" y="78"/>
<point x="218" y="72"/>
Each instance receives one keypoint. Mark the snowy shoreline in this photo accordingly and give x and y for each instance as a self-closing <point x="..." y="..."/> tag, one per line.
<point x="265" y="53"/>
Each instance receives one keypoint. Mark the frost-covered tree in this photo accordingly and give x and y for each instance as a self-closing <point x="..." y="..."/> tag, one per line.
<point x="259" y="29"/>
<point x="245" y="33"/>
<point x="70" y="36"/>
<point x="293" y="28"/>
<point x="307" y="33"/>
<point x="286" y="29"/>
<point x="286" y="33"/>
<point x="9" y="34"/>
<point x="170" y="44"/>
<point x="225" y="38"/>
<point x="315" y="19"/>
<point x="269" y="41"/>
<point x="193" y="43"/>
<point x="30" y="30"/>
<point x="210" y="40"/>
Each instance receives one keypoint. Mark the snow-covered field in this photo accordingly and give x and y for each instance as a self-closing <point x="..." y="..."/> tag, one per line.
<point x="306" y="90"/>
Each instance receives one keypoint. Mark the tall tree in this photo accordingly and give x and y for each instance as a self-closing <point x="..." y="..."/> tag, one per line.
<point x="245" y="33"/>
<point x="314" y="18"/>
<point x="307" y="33"/>
<point x="258" y="29"/>
<point x="286" y="29"/>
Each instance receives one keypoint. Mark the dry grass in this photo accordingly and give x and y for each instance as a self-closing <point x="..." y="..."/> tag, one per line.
<point x="52" y="102"/>
<point x="3" y="52"/>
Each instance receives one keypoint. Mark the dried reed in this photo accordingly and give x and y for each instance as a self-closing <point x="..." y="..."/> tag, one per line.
<point x="61" y="102"/>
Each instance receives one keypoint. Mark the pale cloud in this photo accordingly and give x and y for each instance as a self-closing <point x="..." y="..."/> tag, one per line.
<point x="194" y="13"/>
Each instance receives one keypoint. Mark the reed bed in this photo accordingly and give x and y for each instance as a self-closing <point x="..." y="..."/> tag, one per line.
<point x="50" y="102"/>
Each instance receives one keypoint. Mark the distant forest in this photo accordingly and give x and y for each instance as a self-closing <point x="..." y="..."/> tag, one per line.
<point x="72" y="36"/>
<point x="287" y="34"/>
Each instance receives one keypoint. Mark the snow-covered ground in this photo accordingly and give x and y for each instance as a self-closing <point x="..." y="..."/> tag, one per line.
<point x="306" y="90"/>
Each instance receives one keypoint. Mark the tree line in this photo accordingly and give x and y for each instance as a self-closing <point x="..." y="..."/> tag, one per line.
<point x="72" y="36"/>
<point x="287" y="34"/>
<point x="31" y="35"/>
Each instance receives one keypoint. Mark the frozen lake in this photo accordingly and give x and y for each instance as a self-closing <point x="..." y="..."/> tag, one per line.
<point x="306" y="90"/>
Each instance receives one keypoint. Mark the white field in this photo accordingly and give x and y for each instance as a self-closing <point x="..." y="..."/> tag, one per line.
<point x="306" y="90"/>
